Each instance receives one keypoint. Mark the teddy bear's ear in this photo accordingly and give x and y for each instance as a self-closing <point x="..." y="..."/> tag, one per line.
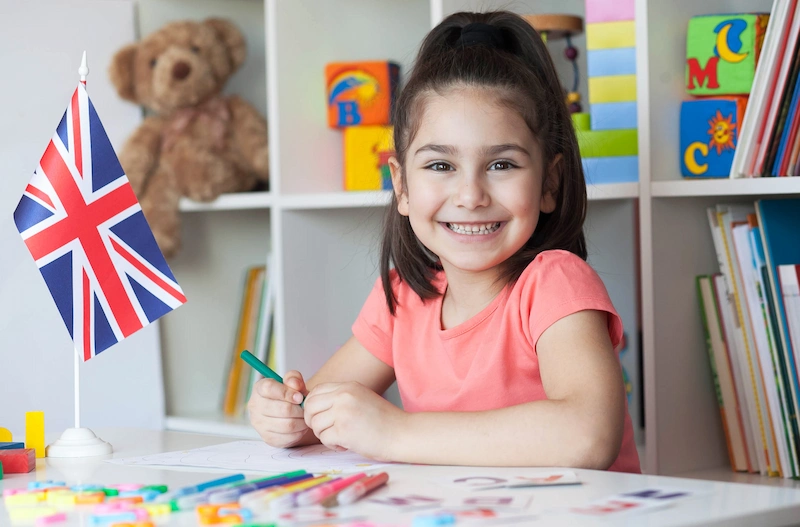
<point x="121" y="72"/>
<point x="233" y="39"/>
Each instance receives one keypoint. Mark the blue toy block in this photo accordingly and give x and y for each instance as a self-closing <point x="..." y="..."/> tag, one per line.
<point x="709" y="133"/>
<point x="612" y="61"/>
<point x="9" y="446"/>
<point x="619" y="169"/>
<point x="613" y="115"/>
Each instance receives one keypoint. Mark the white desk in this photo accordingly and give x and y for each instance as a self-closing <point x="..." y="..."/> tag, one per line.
<point x="716" y="503"/>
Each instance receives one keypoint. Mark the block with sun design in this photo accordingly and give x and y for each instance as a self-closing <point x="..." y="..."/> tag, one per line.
<point x="722" y="52"/>
<point x="709" y="135"/>
<point x="360" y="93"/>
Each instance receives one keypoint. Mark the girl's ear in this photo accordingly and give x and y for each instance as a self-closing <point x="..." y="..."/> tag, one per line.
<point x="550" y="185"/>
<point x="397" y="185"/>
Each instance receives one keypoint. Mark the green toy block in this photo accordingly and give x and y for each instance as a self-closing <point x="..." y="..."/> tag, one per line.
<point x="722" y="52"/>
<point x="608" y="143"/>
<point x="581" y="121"/>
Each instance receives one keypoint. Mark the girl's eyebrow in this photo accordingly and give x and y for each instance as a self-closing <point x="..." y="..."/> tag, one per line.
<point x="487" y="151"/>
<point x="442" y="149"/>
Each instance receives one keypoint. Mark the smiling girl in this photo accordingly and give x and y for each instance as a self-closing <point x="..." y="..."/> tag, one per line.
<point x="500" y="336"/>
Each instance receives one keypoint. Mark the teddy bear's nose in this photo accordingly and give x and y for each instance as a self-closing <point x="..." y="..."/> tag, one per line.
<point x="181" y="70"/>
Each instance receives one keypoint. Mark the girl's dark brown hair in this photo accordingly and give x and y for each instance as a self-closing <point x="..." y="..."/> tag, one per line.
<point x="509" y="57"/>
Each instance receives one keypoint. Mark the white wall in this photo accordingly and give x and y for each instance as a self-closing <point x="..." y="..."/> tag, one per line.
<point x="41" y="44"/>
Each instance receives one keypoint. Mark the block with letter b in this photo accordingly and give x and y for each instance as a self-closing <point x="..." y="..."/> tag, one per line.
<point x="722" y="52"/>
<point x="361" y="93"/>
<point x="709" y="135"/>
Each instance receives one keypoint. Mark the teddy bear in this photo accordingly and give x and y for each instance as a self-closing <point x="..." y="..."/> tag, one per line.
<point x="194" y="142"/>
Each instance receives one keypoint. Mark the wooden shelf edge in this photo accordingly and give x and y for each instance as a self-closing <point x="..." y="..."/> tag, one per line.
<point x="237" y="201"/>
<point x="210" y="425"/>
<point x="726" y="187"/>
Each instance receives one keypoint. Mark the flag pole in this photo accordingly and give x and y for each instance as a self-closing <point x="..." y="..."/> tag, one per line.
<point x="77" y="441"/>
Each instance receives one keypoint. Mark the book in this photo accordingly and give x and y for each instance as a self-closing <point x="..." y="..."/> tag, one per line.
<point x="721" y="372"/>
<point x="756" y="325"/>
<point x="789" y="277"/>
<point x="788" y="413"/>
<point x="762" y="92"/>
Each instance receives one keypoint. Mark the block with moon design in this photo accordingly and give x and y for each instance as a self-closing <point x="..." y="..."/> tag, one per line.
<point x="361" y="93"/>
<point x="709" y="135"/>
<point x="722" y="52"/>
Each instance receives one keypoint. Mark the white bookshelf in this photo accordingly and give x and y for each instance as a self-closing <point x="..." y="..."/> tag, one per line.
<point x="647" y="240"/>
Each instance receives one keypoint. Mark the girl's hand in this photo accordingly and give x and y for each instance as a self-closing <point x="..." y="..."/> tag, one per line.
<point x="350" y="416"/>
<point x="275" y="411"/>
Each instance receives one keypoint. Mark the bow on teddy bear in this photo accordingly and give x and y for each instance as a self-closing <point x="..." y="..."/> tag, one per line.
<point x="196" y="142"/>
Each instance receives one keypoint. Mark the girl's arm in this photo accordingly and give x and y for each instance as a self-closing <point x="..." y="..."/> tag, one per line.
<point x="579" y="425"/>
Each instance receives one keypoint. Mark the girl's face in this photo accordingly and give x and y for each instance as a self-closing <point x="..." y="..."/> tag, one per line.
<point x="474" y="181"/>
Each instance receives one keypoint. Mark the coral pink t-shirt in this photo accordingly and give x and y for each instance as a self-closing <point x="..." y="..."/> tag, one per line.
<point x="488" y="361"/>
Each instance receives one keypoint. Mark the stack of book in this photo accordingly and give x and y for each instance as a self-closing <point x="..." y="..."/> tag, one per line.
<point x="751" y="315"/>
<point x="769" y="142"/>
<point x="254" y="333"/>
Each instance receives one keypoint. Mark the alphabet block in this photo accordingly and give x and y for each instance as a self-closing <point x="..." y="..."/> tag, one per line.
<point x="722" y="52"/>
<point x="360" y="93"/>
<point x="709" y="133"/>
<point x="367" y="150"/>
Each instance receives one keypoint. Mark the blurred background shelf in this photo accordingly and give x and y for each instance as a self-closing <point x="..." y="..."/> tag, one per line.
<point x="211" y="423"/>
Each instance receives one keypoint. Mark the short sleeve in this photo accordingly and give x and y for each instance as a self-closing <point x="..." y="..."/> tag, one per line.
<point x="558" y="284"/>
<point x="374" y="326"/>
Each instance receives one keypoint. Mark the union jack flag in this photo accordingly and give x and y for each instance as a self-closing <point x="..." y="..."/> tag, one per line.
<point x="85" y="229"/>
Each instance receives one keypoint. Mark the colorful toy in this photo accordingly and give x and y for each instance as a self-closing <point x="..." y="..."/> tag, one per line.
<point x="609" y="140"/>
<point x="708" y="135"/>
<point x="553" y="27"/>
<point x="361" y="93"/>
<point x="18" y="460"/>
<point x="722" y="52"/>
<point x="11" y="445"/>
<point x="34" y="432"/>
<point x="367" y="150"/>
<point x="5" y="435"/>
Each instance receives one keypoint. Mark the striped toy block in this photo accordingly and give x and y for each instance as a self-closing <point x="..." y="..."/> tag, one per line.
<point x="608" y="143"/>
<point x="613" y="61"/>
<point x="606" y="35"/>
<point x="600" y="170"/>
<point x="612" y="88"/>
<point x="581" y="121"/>
<point x="609" y="10"/>
<point x="613" y="115"/>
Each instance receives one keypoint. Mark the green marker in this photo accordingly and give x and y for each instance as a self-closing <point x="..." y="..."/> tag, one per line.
<point x="262" y="368"/>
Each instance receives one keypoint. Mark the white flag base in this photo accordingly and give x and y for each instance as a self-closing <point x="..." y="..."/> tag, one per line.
<point x="78" y="442"/>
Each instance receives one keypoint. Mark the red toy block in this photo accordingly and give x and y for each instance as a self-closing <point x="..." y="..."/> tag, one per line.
<point x="18" y="460"/>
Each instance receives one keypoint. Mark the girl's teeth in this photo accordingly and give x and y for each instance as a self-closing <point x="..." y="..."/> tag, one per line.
<point x="485" y="228"/>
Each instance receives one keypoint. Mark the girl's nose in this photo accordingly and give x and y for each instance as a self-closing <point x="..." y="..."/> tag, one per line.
<point x="471" y="192"/>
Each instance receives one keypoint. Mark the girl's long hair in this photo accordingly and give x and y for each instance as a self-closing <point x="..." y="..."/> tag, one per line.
<point x="514" y="62"/>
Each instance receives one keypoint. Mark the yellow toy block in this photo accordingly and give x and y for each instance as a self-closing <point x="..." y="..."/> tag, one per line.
<point x="612" y="88"/>
<point x="606" y="35"/>
<point x="34" y="432"/>
<point x="5" y="436"/>
<point x="366" y="150"/>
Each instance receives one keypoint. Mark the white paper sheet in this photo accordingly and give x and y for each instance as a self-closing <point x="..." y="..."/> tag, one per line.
<point x="255" y="456"/>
